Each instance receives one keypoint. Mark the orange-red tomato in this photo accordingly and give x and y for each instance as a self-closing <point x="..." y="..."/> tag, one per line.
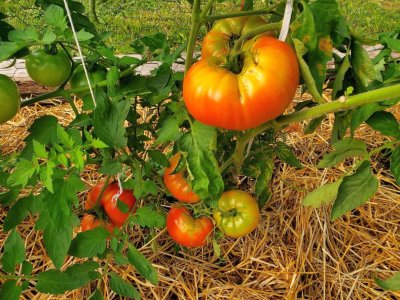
<point x="186" y="230"/>
<point x="109" y="203"/>
<point x="260" y="89"/>
<point x="117" y="217"/>
<point x="177" y="184"/>
<point x="90" y="222"/>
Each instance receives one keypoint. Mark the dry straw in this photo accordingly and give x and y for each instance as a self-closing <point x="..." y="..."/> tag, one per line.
<point x="295" y="253"/>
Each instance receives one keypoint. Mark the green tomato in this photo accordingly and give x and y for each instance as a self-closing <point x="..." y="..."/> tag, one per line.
<point x="48" y="69"/>
<point x="10" y="99"/>
<point x="237" y="213"/>
<point x="79" y="80"/>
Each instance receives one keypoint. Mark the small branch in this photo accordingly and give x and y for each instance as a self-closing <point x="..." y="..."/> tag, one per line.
<point x="194" y="31"/>
<point x="243" y="13"/>
<point x="207" y="9"/>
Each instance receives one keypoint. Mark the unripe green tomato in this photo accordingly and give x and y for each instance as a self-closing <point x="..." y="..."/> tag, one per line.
<point x="48" y="69"/>
<point x="10" y="100"/>
<point x="79" y="80"/>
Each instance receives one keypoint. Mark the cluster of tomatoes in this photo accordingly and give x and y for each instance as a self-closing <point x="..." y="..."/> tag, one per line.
<point x="48" y="67"/>
<point x="107" y="199"/>
<point x="236" y="215"/>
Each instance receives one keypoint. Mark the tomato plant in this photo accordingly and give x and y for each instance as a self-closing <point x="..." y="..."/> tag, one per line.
<point x="243" y="90"/>
<point x="79" y="80"/>
<point x="176" y="183"/>
<point x="245" y="79"/>
<point x="186" y="230"/>
<point x="9" y="98"/>
<point x="47" y="68"/>
<point x="237" y="213"/>
<point x="110" y="203"/>
<point x="90" y="221"/>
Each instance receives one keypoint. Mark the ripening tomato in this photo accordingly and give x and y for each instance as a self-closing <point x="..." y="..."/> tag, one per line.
<point x="90" y="222"/>
<point x="240" y="92"/>
<point x="186" y="230"/>
<point x="177" y="184"/>
<point x="109" y="203"/>
<point x="10" y="100"/>
<point x="237" y="213"/>
<point x="48" y="69"/>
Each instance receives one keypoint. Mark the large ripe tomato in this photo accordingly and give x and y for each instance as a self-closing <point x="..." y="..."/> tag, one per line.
<point x="90" y="222"/>
<point x="79" y="80"/>
<point x="48" y="69"/>
<point x="177" y="184"/>
<point x="260" y="89"/>
<point x="10" y="99"/>
<point x="237" y="213"/>
<point x="109" y="203"/>
<point x="186" y="230"/>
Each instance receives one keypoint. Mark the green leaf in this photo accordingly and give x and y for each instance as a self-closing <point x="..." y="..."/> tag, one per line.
<point x="340" y="75"/>
<point x="343" y="149"/>
<point x="313" y="125"/>
<point x="57" y="282"/>
<point x="109" y="165"/>
<point x="362" y="64"/>
<point x="27" y="268"/>
<point x="96" y="295"/>
<point x="261" y="168"/>
<point x="147" y="216"/>
<point x="18" y="212"/>
<point x="169" y="131"/>
<point x="386" y="123"/>
<point x="14" y="252"/>
<point x="108" y="120"/>
<point x="54" y="16"/>
<point x="56" y="215"/>
<point x="303" y="28"/>
<point x="390" y="284"/>
<point x="44" y="131"/>
<point x="83" y="36"/>
<point x="48" y="37"/>
<point x="120" y="259"/>
<point x="395" y="164"/>
<point x="24" y="36"/>
<point x="322" y="195"/>
<point x="285" y="153"/>
<point x="46" y="175"/>
<point x="10" y="290"/>
<point x="7" y="49"/>
<point x="89" y="243"/>
<point x="24" y="170"/>
<point x="123" y="288"/>
<point x="39" y="150"/>
<point x="355" y="190"/>
<point x="9" y="197"/>
<point x="142" y="265"/>
<point x="197" y="147"/>
<point x="159" y="157"/>
<point x="342" y="122"/>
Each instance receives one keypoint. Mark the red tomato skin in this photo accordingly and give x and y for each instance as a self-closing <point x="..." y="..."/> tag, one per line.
<point x="117" y="217"/>
<point x="93" y="195"/>
<point x="177" y="184"/>
<point x="187" y="231"/>
<point x="263" y="89"/>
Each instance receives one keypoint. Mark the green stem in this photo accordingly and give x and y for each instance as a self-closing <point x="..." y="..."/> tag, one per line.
<point x="213" y="18"/>
<point x="378" y="95"/>
<point x="194" y="31"/>
<point x="252" y="33"/>
<point x="207" y="9"/>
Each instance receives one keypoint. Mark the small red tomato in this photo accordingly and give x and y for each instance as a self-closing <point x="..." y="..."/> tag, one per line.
<point x="186" y="230"/>
<point x="90" y="222"/>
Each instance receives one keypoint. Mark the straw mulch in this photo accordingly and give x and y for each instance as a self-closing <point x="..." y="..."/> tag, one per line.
<point x="295" y="253"/>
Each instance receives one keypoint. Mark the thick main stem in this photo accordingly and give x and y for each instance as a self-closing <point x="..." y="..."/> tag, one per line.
<point x="194" y="31"/>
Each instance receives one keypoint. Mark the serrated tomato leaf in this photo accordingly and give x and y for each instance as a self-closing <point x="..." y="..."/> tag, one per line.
<point x="142" y="265"/>
<point x="395" y="164"/>
<point x="390" y="284"/>
<point x="89" y="243"/>
<point x="14" y="252"/>
<point x="123" y="288"/>
<point x="322" y="195"/>
<point x="355" y="190"/>
<point x="10" y="290"/>
<point x="58" y="282"/>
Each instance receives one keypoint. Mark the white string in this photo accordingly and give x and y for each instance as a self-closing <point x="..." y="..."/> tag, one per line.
<point x="286" y="20"/>
<point x="119" y="193"/>
<point x="79" y="51"/>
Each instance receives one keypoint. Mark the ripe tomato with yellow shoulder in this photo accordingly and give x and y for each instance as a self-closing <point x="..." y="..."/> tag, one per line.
<point x="187" y="230"/>
<point x="244" y="89"/>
